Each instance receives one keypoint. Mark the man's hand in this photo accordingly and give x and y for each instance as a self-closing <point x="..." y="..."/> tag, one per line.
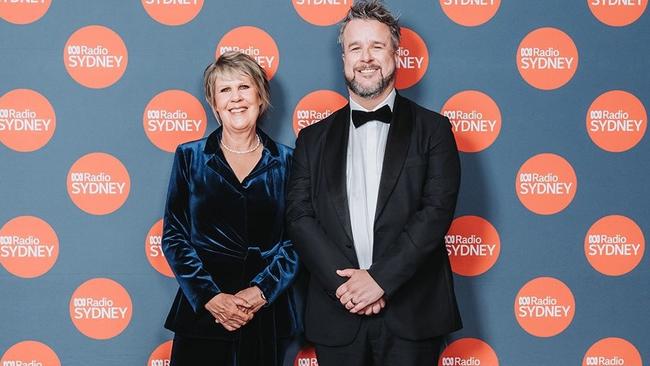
<point x="230" y="311"/>
<point x="252" y="295"/>
<point x="359" y="291"/>
<point x="374" y="308"/>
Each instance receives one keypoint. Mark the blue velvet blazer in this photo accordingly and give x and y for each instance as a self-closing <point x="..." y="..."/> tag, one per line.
<point x="220" y="235"/>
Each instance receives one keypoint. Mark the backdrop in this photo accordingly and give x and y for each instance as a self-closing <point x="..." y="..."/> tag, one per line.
<point x="546" y="99"/>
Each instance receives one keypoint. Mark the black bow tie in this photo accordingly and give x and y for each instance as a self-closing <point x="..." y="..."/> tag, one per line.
<point x="382" y="114"/>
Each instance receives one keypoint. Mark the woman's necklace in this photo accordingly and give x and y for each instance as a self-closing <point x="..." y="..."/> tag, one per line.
<point x="259" y="141"/>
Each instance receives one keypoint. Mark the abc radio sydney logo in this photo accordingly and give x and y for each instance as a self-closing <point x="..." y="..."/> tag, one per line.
<point x="253" y="42"/>
<point x="316" y="106"/>
<point x="27" y="120"/>
<point x="95" y="56"/>
<point x="173" y="117"/>
<point x="100" y="308"/>
<point x="473" y="245"/>
<point x="544" y="307"/>
<point x="30" y="353"/>
<point x="29" y="246"/>
<point x="475" y="120"/>
<point x="547" y="58"/>
<point x="546" y="184"/>
<point x="468" y="352"/>
<point x="98" y="183"/>
<point x="616" y="121"/>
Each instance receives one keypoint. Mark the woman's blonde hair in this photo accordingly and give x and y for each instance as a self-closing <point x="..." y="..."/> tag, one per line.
<point x="234" y="62"/>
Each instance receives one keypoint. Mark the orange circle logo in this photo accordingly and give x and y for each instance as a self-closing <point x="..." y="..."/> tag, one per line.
<point x="470" y="13"/>
<point x="98" y="183"/>
<point x="29" y="247"/>
<point x="153" y="250"/>
<point x="546" y="184"/>
<point x="475" y="120"/>
<point x="322" y="12"/>
<point x="30" y="353"/>
<point x="544" y="307"/>
<point x="617" y="13"/>
<point x="306" y="357"/>
<point x="173" y="117"/>
<point x="27" y="120"/>
<point x="614" y="245"/>
<point x="95" y="56"/>
<point x="547" y="58"/>
<point x="473" y="245"/>
<point x="612" y="351"/>
<point x="413" y="59"/>
<point x="23" y="12"/>
<point x="316" y="106"/>
<point x="616" y="121"/>
<point x="172" y="12"/>
<point x="161" y="355"/>
<point x="468" y="351"/>
<point x="100" y="308"/>
<point x="254" y="42"/>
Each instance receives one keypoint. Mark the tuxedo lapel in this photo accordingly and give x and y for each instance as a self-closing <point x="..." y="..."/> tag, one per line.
<point x="397" y="146"/>
<point x="335" y="164"/>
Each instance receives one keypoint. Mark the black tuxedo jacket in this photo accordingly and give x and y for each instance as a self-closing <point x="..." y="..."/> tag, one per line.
<point x="415" y="207"/>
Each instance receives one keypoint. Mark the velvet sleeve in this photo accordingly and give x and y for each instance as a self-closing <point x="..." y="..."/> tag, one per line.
<point x="196" y="283"/>
<point x="279" y="274"/>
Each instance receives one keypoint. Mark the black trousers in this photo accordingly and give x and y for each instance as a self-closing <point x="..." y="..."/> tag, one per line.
<point x="188" y="351"/>
<point x="375" y="345"/>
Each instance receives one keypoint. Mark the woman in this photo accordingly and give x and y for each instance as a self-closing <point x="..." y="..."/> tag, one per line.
<point x="223" y="233"/>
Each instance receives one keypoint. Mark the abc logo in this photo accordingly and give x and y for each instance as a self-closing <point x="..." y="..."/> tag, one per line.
<point x="30" y="353"/>
<point x="547" y="58"/>
<point x="614" y="245"/>
<point x="546" y="184"/>
<point x="544" y="307"/>
<point x="100" y="308"/>
<point x="254" y="42"/>
<point x="172" y="12"/>
<point x="23" y="12"/>
<point x="612" y="352"/>
<point x="173" y="117"/>
<point x="322" y="12"/>
<point x="412" y="59"/>
<point x="27" y="120"/>
<point x="153" y="250"/>
<point x="468" y="12"/>
<point x="316" y="106"/>
<point x="617" y="13"/>
<point x="473" y="245"/>
<point x="29" y="247"/>
<point x="98" y="183"/>
<point x="616" y="121"/>
<point x="475" y="120"/>
<point x="95" y="56"/>
<point x="160" y="356"/>
<point x="468" y="352"/>
<point x="306" y="357"/>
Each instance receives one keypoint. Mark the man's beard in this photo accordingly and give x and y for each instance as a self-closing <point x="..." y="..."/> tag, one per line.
<point x="372" y="91"/>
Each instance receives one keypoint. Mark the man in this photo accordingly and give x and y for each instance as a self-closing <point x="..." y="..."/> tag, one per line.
<point x="372" y="193"/>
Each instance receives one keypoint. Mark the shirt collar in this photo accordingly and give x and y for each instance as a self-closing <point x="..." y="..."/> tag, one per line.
<point x="390" y="101"/>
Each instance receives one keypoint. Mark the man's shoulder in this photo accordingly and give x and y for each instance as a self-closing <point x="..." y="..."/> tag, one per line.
<point x="424" y="114"/>
<point x="317" y="129"/>
<point x="426" y="121"/>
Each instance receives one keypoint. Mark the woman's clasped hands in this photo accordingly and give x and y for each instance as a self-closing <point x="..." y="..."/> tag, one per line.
<point x="235" y="311"/>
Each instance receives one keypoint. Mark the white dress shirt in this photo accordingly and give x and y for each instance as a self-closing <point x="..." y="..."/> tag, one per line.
<point x="365" y="158"/>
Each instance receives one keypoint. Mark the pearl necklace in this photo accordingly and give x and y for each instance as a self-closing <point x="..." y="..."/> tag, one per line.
<point x="259" y="141"/>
